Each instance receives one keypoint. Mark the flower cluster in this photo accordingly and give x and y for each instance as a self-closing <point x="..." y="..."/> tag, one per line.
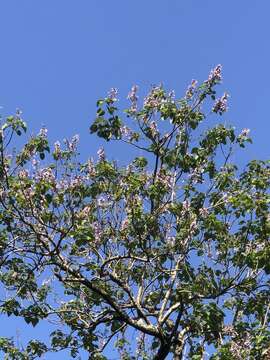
<point x="133" y="97"/>
<point x="72" y="145"/>
<point x="57" y="150"/>
<point x="3" y="194"/>
<point x="45" y="174"/>
<point x="91" y="168"/>
<point x="126" y="132"/>
<point x="101" y="154"/>
<point x="243" y="137"/>
<point x="23" y="174"/>
<point x="97" y="230"/>
<point x="171" y="96"/>
<point x="43" y="132"/>
<point x="124" y="224"/>
<point x="153" y="128"/>
<point x="112" y="94"/>
<point x="103" y="202"/>
<point x="191" y="88"/>
<point x="86" y="211"/>
<point x="62" y="185"/>
<point x="76" y="182"/>
<point x="196" y="175"/>
<point x="193" y="227"/>
<point x="241" y="347"/>
<point x="204" y="212"/>
<point x="154" y="98"/>
<point x="245" y="132"/>
<point x="215" y="75"/>
<point x="220" y="105"/>
<point x="35" y="163"/>
<point x="166" y="180"/>
<point x="186" y="206"/>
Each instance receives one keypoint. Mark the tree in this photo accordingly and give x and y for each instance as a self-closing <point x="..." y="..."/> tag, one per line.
<point x="173" y="248"/>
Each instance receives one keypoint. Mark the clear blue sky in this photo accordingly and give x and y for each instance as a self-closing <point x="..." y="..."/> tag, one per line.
<point x="59" y="56"/>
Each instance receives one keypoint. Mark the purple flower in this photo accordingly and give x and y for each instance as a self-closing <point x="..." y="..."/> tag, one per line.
<point x="3" y="194"/>
<point x="132" y="96"/>
<point x="23" y="174"/>
<point x="220" y="105"/>
<point x="43" y="132"/>
<point x="245" y="132"/>
<point x="57" y="146"/>
<point x="171" y="95"/>
<point x="153" y="128"/>
<point x="124" y="224"/>
<point x="154" y="98"/>
<point x="45" y="174"/>
<point x="204" y="212"/>
<point x="101" y="154"/>
<point x="18" y="113"/>
<point x="125" y="131"/>
<point x="191" y="89"/>
<point x="215" y="75"/>
<point x="57" y="150"/>
<point x="77" y="181"/>
<point x="35" y="163"/>
<point x="72" y="145"/>
<point x="186" y="205"/>
<point x="103" y="202"/>
<point x="86" y="211"/>
<point x="91" y="168"/>
<point x="112" y="94"/>
<point x="62" y="185"/>
<point x="97" y="230"/>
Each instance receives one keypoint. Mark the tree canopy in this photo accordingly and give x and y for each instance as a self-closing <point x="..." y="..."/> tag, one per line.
<point x="166" y="257"/>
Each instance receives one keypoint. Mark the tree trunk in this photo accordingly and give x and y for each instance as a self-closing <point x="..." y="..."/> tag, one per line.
<point x="178" y="350"/>
<point x="163" y="352"/>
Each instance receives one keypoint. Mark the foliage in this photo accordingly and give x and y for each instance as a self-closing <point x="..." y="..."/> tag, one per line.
<point x="173" y="247"/>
